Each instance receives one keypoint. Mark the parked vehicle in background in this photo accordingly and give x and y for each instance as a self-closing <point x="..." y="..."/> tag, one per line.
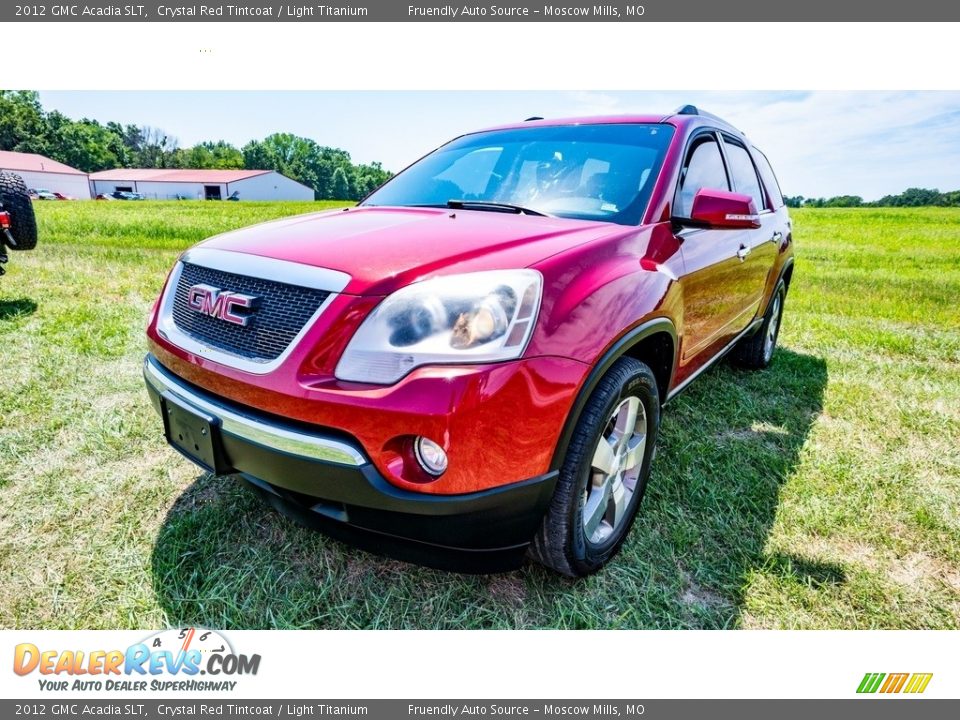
<point x="472" y="364"/>
<point x="127" y="195"/>
<point x="18" y="225"/>
<point x="42" y="194"/>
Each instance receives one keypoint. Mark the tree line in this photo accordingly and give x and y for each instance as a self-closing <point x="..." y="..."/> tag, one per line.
<point x="89" y="145"/>
<point x="911" y="197"/>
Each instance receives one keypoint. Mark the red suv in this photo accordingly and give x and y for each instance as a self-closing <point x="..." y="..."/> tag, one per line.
<point x="470" y="365"/>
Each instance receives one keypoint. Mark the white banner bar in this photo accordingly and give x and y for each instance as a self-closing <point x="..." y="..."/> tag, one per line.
<point x="490" y="664"/>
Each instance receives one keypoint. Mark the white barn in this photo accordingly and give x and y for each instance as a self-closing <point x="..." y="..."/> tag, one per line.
<point x="160" y="184"/>
<point x="42" y="173"/>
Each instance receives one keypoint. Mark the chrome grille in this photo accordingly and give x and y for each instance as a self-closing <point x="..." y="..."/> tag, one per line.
<point x="280" y="315"/>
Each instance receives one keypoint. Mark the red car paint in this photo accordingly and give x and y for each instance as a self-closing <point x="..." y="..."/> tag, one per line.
<point x="501" y="422"/>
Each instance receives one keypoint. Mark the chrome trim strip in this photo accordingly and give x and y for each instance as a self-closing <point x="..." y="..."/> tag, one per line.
<point x="291" y="273"/>
<point x="266" y="268"/>
<point x="255" y="430"/>
<point x="707" y="365"/>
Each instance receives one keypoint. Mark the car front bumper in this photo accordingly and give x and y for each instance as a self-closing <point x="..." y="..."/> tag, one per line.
<point x="325" y="480"/>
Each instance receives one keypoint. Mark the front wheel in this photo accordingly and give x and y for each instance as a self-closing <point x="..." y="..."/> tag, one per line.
<point x="604" y="473"/>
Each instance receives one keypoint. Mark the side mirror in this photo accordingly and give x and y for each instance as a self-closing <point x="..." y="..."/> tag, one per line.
<point x="724" y="210"/>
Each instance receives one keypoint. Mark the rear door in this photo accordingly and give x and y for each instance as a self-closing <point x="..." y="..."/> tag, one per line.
<point x="757" y="251"/>
<point x="713" y="289"/>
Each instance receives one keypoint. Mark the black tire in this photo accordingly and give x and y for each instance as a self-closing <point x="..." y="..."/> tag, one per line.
<point x="16" y="201"/>
<point x="562" y="543"/>
<point x="754" y="352"/>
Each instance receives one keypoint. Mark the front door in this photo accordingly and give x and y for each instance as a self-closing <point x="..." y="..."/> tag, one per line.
<point x="759" y="252"/>
<point x="717" y="297"/>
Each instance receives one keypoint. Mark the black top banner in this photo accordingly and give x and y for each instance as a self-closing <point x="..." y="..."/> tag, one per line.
<point x="515" y="11"/>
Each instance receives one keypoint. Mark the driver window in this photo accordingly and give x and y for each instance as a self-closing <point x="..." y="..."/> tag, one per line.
<point x="704" y="169"/>
<point x="744" y="174"/>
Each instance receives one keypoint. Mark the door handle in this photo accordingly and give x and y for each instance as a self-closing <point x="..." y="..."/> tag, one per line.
<point x="743" y="252"/>
<point x="777" y="237"/>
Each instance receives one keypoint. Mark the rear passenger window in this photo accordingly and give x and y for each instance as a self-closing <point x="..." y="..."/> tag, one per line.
<point x="744" y="175"/>
<point x="704" y="169"/>
<point x="769" y="179"/>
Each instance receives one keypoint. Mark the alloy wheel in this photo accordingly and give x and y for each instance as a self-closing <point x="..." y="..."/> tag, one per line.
<point x="614" y="470"/>
<point x="772" y="328"/>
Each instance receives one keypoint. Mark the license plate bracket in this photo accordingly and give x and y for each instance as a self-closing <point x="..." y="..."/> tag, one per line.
<point x="194" y="433"/>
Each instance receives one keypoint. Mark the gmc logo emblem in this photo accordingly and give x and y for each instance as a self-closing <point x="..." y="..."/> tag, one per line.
<point x="221" y="304"/>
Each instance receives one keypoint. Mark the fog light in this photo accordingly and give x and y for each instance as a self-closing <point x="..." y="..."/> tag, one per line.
<point x="431" y="456"/>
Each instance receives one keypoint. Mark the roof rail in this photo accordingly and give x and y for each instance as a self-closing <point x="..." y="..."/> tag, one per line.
<point x="694" y="110"/>
<point x="532" y="118"/>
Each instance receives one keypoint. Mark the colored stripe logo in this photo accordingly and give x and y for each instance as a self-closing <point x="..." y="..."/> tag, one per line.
<point x="913" y="683"/>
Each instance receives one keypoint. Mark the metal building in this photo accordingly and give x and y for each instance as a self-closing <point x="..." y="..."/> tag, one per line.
<point x="42" y="173"/>
<point x="159" y="184"/>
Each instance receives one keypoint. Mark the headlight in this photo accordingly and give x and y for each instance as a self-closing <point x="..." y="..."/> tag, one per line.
<point x="471" y="318"/>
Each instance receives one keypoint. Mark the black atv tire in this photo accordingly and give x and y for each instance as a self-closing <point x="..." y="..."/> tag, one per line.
<point x="16" y="201"/>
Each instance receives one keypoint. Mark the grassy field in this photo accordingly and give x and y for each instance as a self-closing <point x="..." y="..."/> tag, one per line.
<point x="821" y="493"/>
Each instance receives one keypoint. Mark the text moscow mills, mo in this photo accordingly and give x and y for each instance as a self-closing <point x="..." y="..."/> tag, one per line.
<point x="452" y="12"/>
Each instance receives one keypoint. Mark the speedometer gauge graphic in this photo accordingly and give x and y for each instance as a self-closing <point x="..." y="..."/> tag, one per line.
<point x="177" y="640"/>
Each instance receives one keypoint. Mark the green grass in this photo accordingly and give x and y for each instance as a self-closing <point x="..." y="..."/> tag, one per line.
<point x="821" y="493"/>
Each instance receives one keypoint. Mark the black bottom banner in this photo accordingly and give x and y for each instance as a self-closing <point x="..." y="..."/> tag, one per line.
<point x="873" y="708"/>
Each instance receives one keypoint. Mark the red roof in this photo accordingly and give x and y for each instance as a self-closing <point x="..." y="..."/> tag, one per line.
<point x="32" y="162"/>
<point x="187" y="176"/>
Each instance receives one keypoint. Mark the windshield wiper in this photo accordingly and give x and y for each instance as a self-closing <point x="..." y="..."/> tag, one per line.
<point x="492" y="207"/>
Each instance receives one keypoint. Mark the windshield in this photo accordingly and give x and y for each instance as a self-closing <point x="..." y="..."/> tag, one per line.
<point x="587" y="172"/>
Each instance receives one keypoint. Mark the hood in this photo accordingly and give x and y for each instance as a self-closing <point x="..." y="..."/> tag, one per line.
<point x="383" y="249"/>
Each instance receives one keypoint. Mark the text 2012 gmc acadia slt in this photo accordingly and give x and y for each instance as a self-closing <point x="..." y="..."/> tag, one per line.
<point x="470" y="365"/>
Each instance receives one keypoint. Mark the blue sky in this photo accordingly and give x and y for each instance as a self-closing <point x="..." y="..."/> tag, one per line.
<point x="820" y="143"/>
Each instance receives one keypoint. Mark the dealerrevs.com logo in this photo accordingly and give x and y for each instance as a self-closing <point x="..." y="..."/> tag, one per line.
<point x="185" y="659"/>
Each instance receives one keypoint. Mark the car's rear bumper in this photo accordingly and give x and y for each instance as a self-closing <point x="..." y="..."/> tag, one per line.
<point x="326" y="480"/>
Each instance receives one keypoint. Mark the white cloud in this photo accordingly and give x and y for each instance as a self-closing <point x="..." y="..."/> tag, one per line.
<point x="594" y="103"/>
<point x="870" y="144"/>
<point x="825" y="143"/>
